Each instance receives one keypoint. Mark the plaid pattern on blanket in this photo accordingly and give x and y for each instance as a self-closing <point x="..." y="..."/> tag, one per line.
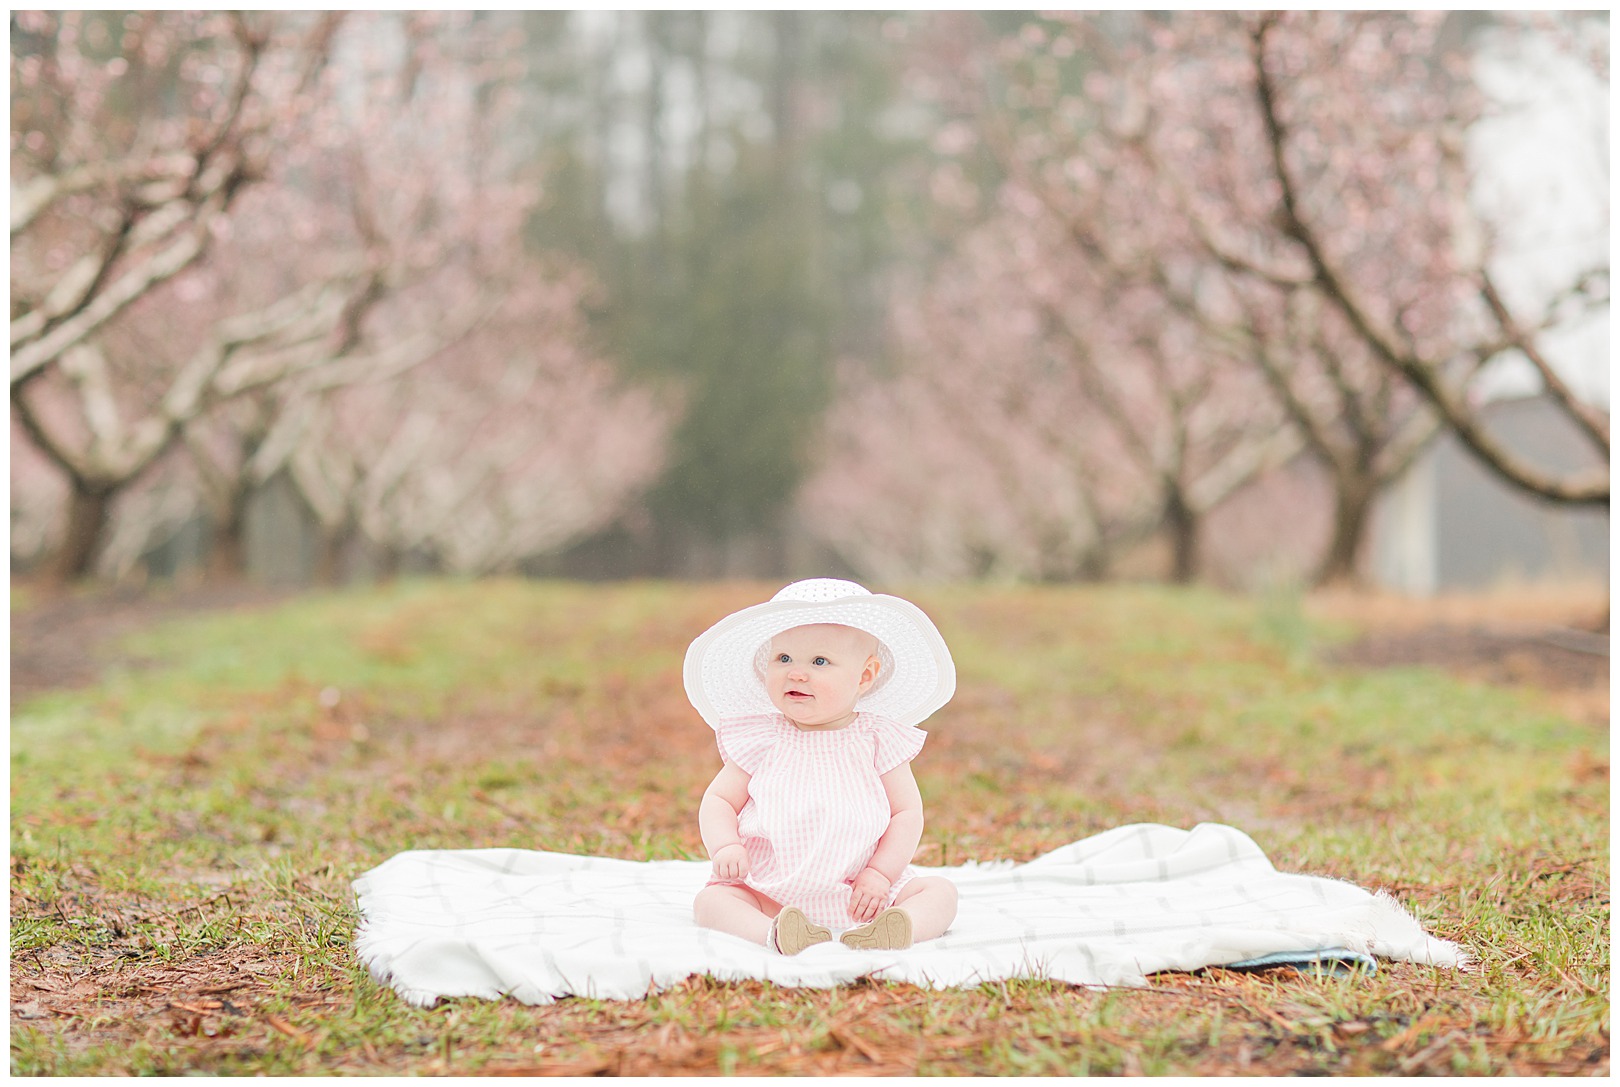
<point x="1104" y="911"/>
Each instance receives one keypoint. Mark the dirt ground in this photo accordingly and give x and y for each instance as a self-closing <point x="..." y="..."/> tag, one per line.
<point x="67" y="639"/>
<point x="1555" y="639"/>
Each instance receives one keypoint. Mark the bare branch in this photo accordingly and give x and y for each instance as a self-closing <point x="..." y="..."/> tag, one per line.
<point x="32" y="198"/>
<point x="1584" y="488"/>
<point x="86" y="367"/>
<point x="1244" y="465"/>
<point x="161" y="266"/>
<point x="80" y="283"/>
<point x="1411" y="439"/>
<point x="1593" y="423"/>
<point x="58" y="451"/>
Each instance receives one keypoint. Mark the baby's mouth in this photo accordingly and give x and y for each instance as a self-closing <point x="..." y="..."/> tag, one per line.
<point x="798" y="694"/>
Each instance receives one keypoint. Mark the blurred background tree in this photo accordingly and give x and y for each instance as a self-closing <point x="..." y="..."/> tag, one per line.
<point x="244" y="245"/>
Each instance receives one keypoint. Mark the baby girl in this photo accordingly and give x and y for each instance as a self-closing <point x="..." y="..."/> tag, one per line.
<point x="814" y="818"/>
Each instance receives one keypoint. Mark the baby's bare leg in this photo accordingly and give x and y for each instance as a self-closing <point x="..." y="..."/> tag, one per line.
<point x="729" y="908"/>
<point x="931" y="902"/>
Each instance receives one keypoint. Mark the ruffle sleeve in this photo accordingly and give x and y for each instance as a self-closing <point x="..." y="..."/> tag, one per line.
<point x="743" y="741"/>
<point x="896" y="743"/>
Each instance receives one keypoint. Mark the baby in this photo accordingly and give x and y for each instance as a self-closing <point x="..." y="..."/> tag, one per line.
<point x="813" y="819"/>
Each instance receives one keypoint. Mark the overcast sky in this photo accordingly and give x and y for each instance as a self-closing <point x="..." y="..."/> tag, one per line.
<point x="1543" y="180"/>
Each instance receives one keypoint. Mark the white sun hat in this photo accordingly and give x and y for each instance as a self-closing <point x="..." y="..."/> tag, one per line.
<point x="725" y="665"/>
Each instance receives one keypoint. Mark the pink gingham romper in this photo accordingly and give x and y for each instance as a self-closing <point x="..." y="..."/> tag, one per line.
<point x="816" y="807"/>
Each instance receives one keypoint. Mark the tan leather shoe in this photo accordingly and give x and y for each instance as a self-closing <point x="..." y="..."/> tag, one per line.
<point x="888" y="931"/>
<point x="792" y="931"/>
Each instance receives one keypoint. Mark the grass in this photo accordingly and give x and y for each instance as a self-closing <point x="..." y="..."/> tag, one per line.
<point x="185" y="830"/>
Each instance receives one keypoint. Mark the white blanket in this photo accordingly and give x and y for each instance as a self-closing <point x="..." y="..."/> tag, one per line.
<point x="1104" y="911"/>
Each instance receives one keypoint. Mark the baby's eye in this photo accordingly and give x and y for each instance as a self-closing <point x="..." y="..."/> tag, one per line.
<point x="783" y="658"/>
<point x="820" y="660"/>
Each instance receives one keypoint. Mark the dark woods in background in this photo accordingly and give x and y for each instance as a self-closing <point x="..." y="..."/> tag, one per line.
<point x="743" y="259"/>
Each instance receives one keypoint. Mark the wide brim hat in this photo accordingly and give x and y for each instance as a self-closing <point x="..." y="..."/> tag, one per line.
<point x="725" y="665"/>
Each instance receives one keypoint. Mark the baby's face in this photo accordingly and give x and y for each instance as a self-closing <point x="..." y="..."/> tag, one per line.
<point x="815" y="674"/>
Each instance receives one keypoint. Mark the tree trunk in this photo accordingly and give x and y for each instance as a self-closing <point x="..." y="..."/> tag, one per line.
<point x="388" y="560"/>
<point x="657" y="30"/>
<point x="699" y="58"/>
<point x="329" y="561"/>
<point x="88" y="508"/>
<point x="784" y="89"/>
<point x="227" y="554"/>
<point x="1182" y="522"/>
<point x="1352" y="510"/>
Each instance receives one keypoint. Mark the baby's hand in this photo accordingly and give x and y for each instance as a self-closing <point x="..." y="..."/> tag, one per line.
<point x="730" y="861"/>
<point x="869" y="892"/>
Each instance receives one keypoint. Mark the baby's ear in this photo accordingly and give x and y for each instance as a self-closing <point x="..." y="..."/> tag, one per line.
<point x="869" y="674"/>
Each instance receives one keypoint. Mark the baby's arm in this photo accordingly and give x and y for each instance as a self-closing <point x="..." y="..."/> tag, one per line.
<point x="895" y="849"/>
<point x="717" y="822"/>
